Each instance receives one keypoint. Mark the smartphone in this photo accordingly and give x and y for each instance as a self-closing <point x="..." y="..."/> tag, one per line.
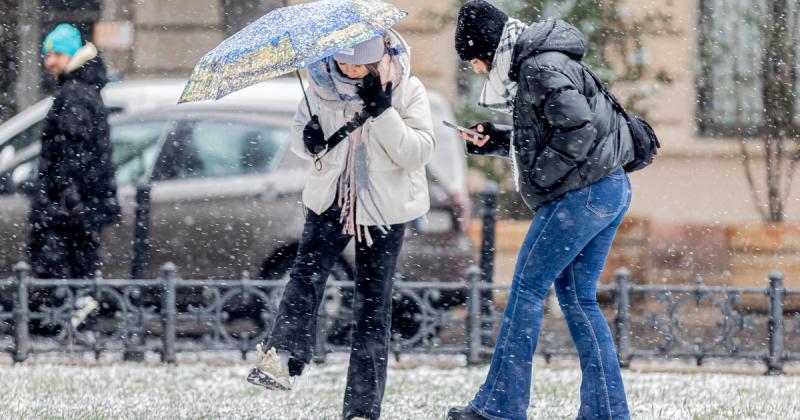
<point x="463" y="129"/>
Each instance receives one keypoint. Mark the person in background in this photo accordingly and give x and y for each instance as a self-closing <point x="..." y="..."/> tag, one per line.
<point x="75" y="193"/>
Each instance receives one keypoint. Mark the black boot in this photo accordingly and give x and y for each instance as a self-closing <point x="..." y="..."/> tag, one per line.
<point x="463" y="413"/>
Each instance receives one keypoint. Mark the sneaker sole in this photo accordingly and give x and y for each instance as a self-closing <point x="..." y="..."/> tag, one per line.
<point x="259" y="378"/>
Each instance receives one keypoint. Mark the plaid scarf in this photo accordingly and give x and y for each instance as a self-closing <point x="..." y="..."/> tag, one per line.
<point x="499" y="91"/>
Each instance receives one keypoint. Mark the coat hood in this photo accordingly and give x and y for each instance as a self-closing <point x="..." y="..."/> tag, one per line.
<point x="87" y="67"/>
<point x="545" y="36"/>
<point x="326" y="82"/>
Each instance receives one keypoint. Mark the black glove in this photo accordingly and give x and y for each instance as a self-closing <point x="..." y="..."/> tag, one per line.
<point x="376" y="100"/>
<point x="496" y="133"/>
<point x="71" y="198"/>
<point x="313" y="137"/>
<point x="498" y="143"/>
<point x="74" y="211"/>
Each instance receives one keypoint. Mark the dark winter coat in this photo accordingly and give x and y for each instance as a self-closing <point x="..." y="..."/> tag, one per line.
<point x="566" y="132"/>
<point x="76" y="185"/>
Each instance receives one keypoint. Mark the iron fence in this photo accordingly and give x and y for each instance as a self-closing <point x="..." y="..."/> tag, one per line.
<point x="170" y="315"/>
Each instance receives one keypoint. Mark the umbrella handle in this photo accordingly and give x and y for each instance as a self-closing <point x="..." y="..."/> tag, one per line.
<point x="305" y="96"/>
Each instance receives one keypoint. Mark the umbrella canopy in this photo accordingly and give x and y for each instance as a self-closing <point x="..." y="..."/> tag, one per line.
<point x="285" y="40"/>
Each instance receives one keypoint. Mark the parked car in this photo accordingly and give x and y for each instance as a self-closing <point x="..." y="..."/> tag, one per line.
<point x="225" y="188"/>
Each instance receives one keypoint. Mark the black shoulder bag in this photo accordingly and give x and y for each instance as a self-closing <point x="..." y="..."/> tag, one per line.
<point x="645" y="142"/>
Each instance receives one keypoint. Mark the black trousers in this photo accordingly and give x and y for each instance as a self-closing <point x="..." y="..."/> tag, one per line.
<point x="65" y="252"/>
<point x="294" y="329"/>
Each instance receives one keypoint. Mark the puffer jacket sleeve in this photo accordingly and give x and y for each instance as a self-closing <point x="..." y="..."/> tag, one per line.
<point x="407" y="139"/>
<point x="566" y="110"/>
<point x="301" y="118"/>
<point x="45" y="209"/>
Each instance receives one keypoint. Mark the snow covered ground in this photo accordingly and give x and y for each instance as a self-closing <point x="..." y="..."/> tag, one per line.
<point x="205" y="389"/>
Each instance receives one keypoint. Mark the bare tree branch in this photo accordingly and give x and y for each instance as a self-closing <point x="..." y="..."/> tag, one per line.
<point x="748" y="172"/>
<point x="793" y="160"/>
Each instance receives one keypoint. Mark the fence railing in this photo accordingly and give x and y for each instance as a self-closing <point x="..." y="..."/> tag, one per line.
<point x="170" y="315"/>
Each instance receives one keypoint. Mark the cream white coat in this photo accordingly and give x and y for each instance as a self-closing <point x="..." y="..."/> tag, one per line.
<point x="398" y="144"/>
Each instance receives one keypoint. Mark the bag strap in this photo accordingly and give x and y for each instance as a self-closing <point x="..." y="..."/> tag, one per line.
<point x="604" y="90"/>
<point x="342" y="133"/>
<point x="357" y="121"/>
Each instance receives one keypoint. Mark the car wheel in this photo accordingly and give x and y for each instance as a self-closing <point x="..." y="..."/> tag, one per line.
<point x="405" y="317"/>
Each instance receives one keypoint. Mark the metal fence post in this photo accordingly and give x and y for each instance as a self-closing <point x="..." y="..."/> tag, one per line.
<point x="168" y="312"/>
<point x="320" y="339"/>
<point x="489" y="218"/>
<point x="473" y="316"/>
<point x="489" y="221"/>
<point x="21" y="316"/>
<point x="623" y="319"/>
<point x="320" y="333"/>
<point x="141" y="231"/>
<point x="775" y="358"/>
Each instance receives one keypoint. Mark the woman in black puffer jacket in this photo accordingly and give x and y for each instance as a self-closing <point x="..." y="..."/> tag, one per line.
<point x="569" y="146"/>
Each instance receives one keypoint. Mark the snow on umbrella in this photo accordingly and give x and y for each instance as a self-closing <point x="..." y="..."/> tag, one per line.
<point x="285" y="40"/>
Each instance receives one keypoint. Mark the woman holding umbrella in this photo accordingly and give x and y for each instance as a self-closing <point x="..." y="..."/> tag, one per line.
<point x="368" y="181"/>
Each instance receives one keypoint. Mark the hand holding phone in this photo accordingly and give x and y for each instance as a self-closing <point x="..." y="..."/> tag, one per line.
<point x="464" y="130"/>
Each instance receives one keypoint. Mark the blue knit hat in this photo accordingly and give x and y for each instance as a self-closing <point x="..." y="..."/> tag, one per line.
<point x="65" y="39"/>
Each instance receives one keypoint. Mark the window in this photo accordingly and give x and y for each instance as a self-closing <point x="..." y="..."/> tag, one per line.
<point x="25" y="174"/>
<point x="135" y="148"/>
<point x="732" y="51"/>
<point x="26" y="137"/>
<point x="238" y="14"/>
<point x="219" y="149"/>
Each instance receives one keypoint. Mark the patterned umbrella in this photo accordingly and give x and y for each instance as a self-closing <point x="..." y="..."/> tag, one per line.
<point x="285" y="40"/>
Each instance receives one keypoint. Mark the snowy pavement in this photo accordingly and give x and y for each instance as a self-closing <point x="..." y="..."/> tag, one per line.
<point x="43" y="390"/>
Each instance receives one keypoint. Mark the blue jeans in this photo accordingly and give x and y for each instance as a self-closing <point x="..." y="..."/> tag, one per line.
<point x="567" y="244"/>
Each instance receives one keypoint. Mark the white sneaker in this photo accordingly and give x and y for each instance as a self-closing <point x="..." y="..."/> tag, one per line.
<point x="272" y="371"/>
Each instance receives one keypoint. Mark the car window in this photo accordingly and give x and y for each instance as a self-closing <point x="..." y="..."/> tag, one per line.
<point x="224" y="148"/>
<point x="23" y="139"/>
<point x="135" y="148"/>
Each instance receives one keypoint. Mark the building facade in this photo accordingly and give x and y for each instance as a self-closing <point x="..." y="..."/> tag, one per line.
<point x="164" y="38"/>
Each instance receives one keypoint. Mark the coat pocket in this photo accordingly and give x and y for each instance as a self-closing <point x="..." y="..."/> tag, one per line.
<point x="551" y="168"/>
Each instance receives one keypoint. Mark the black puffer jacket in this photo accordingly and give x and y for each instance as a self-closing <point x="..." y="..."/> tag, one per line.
<point x="566" y="133"/>
<point x="76" y="183"/>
